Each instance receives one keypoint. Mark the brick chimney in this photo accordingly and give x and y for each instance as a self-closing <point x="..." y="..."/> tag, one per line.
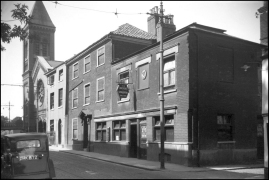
<point x="154" y="26"/>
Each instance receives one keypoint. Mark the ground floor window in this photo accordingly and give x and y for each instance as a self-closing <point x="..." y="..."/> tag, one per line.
<point x="51" y="125"/>
<point x="168" y="128"/>
<point x="225" y="127"/>
<point x="101" y="131"/>
<point x="119" y="130"/>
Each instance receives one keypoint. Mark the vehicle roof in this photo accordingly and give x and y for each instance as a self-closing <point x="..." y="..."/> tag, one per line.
<point x="26" y="135"/>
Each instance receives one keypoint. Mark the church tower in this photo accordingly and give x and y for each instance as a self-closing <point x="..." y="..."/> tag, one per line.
<point x="40" y="42"/>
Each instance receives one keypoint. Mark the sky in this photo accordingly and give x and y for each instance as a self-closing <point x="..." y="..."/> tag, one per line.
<point x="77" y="28"/>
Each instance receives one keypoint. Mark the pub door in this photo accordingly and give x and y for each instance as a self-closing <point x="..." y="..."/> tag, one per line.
<point x="133" y="141"/>
<point x="143" y="141"/>
<point x="85" y="133"/>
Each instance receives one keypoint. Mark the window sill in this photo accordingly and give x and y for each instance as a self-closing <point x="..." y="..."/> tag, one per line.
<point x="99" y="65"/>
<point x="52" y="109"/>
<point x="142" y="89"/>
<point x="226" y="142"/>
<point x="60" y="81"/>
<point x="75" y="78"/>
<point x="74" y="108"/>
<point x="168" y="91"/>
<point x="100" y="101"/>
<point x="123" y="101"/>
<point x="60" y="107"/>
<point x="86" y="72"/>
<point x="86" y="104"/>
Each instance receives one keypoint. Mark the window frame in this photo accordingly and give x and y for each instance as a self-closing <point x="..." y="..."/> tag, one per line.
<point x="231" y="124"/>
<point x="103" y="131"/>
<point x="97" y="54"/>
<point x="73" y="72"/>
<point x="61" y="75"/>
<point x="166" y="126"/>
<point x="52" y="103"/>
<point x="119" y="129"/>
<point x="52" y="77"/>
<point x="52" y="120"/>
<point x="84" y="67"/>
<point x="60" y="99"/>
<point x="74" y="119"/>
<point x="128" y="97"/>
<point x="73" y="98"/>
<point x="84" y="100"/>
<point x="169" y="87"/>
<point x="97" y="89"/>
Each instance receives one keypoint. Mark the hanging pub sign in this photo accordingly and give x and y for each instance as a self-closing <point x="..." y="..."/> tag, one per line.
<point x="123" y="90"/>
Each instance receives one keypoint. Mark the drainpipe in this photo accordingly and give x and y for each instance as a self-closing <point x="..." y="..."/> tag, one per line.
<point x="197" y="101"/>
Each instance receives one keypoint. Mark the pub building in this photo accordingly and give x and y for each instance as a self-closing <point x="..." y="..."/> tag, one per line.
<point x="210" y="106"/>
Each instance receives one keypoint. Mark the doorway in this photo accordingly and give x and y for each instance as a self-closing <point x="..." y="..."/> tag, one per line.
<point x="60" y="131"/>
<point x="85" y="133"/>
<point x="133" y="141"/>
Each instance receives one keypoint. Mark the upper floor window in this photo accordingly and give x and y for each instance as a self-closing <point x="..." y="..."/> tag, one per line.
<point x="51" y="125"/>
<point x="61" y="75"/>
<point x="75" y="98"/>
<point x="75" y="70"/>
<point x="51" y="100"/>
<point x="87" y="94"/>
<point x="100" y="56"/>
<point x="51" y="80"/>
<point x="169" y="75"/>
<point x="87" y="64"/>
<point x="225" y="127"/>
<point x="60" y="103"/>
<point x="41" y="48"/>
<point x="100" y="89"/>
<point x="124" y="78"/>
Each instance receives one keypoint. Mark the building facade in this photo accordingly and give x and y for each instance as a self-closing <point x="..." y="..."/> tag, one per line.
<point x="56" y="90"/>
<point x="40" y="42"/>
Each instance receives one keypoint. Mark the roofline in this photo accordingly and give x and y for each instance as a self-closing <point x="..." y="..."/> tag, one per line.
<point x="47" y="73"/>
<point x="181" y="31"/>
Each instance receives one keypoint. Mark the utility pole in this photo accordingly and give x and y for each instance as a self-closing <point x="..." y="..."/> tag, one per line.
<point x="8" y="109"/>
<point x="161" y="17"/>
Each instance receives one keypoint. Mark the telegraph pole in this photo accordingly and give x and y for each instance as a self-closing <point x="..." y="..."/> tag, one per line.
<point x="161" y="16"/>
<point x="8" y="109"/>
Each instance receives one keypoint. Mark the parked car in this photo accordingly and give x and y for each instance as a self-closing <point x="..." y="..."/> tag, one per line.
<point x="26" y="156"/>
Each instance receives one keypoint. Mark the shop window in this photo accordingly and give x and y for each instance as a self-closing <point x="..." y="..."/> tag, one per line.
<point x="119" y="130"/>
<point x="75" y="128"/>
<point x="169" y="73"/>
<point x="225" y="128"/>
<point x="101" y="131"/>
<point x="101" y="56"/>
<point x="168" y="128"/>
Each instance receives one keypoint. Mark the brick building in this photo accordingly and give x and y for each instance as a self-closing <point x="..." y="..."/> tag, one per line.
<point x="211" y="99"/>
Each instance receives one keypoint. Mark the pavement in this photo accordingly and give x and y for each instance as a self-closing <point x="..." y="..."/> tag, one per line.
<point x="152" y="165"/>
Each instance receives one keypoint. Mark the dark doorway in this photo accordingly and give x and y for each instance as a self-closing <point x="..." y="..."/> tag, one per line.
<point x="85" y="134"/>
<point x="133" y="142"/>
<point x="60" y="131"/>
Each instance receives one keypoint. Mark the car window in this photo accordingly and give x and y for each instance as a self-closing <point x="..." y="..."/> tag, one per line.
<point x="28" y="144"/>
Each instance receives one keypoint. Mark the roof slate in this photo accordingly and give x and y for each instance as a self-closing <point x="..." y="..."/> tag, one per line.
<point x="132" y="31"/>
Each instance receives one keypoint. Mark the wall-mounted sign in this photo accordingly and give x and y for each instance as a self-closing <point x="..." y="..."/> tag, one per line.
<point x="144" y="74"/>
<point x="123" y="90"/>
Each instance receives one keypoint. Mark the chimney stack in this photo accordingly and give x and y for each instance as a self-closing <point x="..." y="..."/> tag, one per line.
<point x="154" y="25"/>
